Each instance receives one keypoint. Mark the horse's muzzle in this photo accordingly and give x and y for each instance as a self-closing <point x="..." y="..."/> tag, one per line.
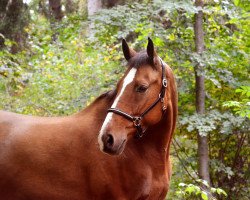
<point x="112" y="145"/>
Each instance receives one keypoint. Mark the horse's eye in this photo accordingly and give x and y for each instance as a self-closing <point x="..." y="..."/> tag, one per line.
<point x="141" y="88"/>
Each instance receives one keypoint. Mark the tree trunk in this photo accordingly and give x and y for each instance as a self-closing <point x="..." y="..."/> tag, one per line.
<point x="56" y="9"/>
<point x="94" y="6"/>
<point x="43" y="9"/>
<point x="203" y="156"/>
<point x="69" y="6"/>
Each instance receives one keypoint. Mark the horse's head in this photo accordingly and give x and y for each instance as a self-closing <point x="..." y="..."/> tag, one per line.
<point x="139" y="102"/>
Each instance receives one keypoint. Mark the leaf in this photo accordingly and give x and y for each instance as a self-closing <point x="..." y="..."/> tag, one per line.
<point x="204" y="195"/>
<point x="220" y="191"/>
<point x="182" y="184"/>
<point x="213" y="190"/>
<point x="190" y="189"/>
<point x="236" y="2"/>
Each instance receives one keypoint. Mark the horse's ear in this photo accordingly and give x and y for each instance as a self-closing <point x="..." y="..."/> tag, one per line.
<point x="152" y="53"/>
<point x="150" y="49"/>
<point x="128" y="52"/>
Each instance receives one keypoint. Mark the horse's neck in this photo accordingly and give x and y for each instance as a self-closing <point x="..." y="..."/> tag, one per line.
<point x="169" y="121"/>
<point x="161" y="134"/>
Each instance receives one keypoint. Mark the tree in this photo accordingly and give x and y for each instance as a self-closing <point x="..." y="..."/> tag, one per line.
<point x="94" y="6"/>
<point x="56" y="9"/>
<point x="203" y="154"/>
<point x="69" y="6"/>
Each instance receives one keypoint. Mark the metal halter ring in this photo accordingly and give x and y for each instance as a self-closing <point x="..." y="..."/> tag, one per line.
<point x="137" y="121"/>
<point x="164" y="82"/>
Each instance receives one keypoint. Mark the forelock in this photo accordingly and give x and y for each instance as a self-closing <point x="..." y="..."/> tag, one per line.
<point x="139" y="59"/>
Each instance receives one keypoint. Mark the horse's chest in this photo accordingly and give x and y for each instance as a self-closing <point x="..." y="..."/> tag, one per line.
<point x="159" y="186"/>
<point x="126" y="183"/>
<point x="149" y="188"/>
<point x="144" y="184"/>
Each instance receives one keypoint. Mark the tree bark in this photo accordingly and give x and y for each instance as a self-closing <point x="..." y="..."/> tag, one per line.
<point x="44" y="9"/>
<point x="69" y="6"/>
<point x="56" y="9"/>
<point x="203" y="153"/>
<point x="94" y="6"/>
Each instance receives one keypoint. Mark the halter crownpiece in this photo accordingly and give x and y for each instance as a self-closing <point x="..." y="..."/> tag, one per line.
<point x="137" y="119"/>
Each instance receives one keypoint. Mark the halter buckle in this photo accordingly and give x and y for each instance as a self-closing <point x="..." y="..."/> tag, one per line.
<point x="164" y="83"/>
<point x="161" y="97"/>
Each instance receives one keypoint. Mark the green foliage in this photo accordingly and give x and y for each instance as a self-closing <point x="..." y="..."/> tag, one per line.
<point x="61" y="77"/>
<point x="224" y="123"/>
<point x="201" y="191"/>
<point x="14" y="76"/>
<point x="241" y="107"/>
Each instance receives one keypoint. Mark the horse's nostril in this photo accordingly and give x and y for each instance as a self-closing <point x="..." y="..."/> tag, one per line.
<point x="109" y="140"/>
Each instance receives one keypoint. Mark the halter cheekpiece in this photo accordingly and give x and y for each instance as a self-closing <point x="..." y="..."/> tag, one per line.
<point x="137" y="119"/>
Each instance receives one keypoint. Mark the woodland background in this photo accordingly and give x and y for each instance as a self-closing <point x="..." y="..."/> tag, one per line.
<point x="57" y="56"/>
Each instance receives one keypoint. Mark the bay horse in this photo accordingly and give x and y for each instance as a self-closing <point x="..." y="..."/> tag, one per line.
<point x="61" y="158"/>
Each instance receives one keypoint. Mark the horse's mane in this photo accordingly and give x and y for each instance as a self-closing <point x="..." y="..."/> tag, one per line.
<point x="109" y="95"/>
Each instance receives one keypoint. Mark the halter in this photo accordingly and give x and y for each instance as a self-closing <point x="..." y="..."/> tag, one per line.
<point x="137" y="119"/>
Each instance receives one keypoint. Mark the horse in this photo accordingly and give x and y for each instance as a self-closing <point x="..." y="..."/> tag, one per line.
<point x="116" y="148"/>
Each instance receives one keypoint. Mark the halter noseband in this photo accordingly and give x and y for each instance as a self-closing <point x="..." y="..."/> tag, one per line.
<point x="137" y="119"/>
